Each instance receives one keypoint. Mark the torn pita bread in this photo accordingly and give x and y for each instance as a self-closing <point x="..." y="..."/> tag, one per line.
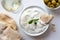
<point x="11" y="34"/>
<point x="8" y="20"/>
<point x="46" y="18"/>
<point x="2" y="27"/>
<point x="8" y="28"/>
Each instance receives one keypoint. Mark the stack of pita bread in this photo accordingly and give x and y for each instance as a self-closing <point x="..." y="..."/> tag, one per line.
<point x="8" y="28"/>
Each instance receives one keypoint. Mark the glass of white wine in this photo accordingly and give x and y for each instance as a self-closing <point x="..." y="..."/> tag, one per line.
<point x="11" y="5"/>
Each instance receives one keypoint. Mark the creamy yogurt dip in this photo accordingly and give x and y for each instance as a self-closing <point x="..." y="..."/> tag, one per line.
<point x="11" y="5"/>
<point x="29" y="14"/>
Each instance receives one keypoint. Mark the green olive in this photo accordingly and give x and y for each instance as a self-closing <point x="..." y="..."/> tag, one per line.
<point x="51" y="6"/>
<point x="59" y="1"/>
<point x="53" y="2"/>
<point x="46" y="1"/>
<point x="57" y="4"/>
<point x="49" y="3"/>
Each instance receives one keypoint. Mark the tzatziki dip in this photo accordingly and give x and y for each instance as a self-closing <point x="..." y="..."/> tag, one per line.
<point x="11" y="5"/>
<point x="30" y="20"/>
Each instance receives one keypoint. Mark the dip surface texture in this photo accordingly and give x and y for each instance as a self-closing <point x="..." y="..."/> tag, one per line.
<point x="30" y="14"/>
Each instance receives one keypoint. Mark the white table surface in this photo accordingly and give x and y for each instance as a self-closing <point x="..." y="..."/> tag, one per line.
<point x="49" y="35"/>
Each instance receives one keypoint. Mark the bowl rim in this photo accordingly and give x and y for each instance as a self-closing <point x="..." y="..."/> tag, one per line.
<point x="51" y="8"/>
<point x="26" y="31"/>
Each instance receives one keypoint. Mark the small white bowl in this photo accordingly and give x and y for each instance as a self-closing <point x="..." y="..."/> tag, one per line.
<point x="30" y="34"/>
<point x="51" y="8"/>
<point x="11" y="6"/>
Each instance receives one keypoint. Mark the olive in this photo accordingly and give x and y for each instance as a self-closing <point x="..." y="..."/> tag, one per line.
<point x="57" y="4"/>
<point x="59" y="1"/>
<point x="49" y="3"/>
<point x="51" y="6"/>
<point x="53" y="2"/>
<point x="46" y="1"/>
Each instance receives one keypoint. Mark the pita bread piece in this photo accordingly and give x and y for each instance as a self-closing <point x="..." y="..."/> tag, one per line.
<point x="11" y="34"/>
<point x="9" y="21"/>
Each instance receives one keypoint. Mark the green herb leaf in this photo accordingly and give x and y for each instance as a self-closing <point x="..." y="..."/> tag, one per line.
<point x="30" y="22"/>
<point x="35" y="19"/>
<point x="35" y="23"/>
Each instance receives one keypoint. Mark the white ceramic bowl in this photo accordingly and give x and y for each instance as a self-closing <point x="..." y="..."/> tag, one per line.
<point x="26" y="31"/>
<point x="10" y="6"/>
<point x="51" y="8"/>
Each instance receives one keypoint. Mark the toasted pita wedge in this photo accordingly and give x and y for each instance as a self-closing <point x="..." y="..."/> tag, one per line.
<point x="46" y="18"/>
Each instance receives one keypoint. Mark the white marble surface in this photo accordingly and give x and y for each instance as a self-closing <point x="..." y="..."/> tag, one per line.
<point x="49" y="35"/>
